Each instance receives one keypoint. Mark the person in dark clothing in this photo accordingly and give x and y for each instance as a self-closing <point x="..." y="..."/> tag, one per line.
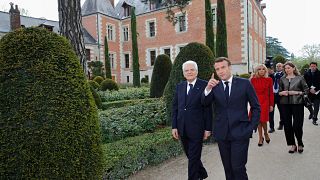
<point x="276" y="78"/>
<point x="312" y="77"/>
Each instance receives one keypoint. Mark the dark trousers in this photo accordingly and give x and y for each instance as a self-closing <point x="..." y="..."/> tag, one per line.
<point x="234" y="156"/>
<point x="316" y="103"/>
<point x="293" y="123"/>
<point x="193" y="148"/>
<point x="271" y="114"/>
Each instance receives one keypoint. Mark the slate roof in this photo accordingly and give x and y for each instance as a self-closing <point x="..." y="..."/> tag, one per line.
<point x="140" y="7"/>
<point x="98" y="6"/>
<point x="30" y="21"/>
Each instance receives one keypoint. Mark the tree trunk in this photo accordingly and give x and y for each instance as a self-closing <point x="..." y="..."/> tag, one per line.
<point x="70" y="22"/>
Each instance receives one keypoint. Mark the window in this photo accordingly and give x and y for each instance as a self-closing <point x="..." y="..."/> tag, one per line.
<point x="250" y="14"/>
<point x="152" y="57"/>
<point x="112" y="63"/>
<point x="126" y="60"/>
<point x="167" y="52"/>
<point x="125" y="33"/>
<point x="255" y="21"/>
<point x="256" y="50"/>
<point x="152" y="29"/>
<point x="88" y="54"/>
<point x="260" y="27"/>
<point x="128" y="79"/>
<point x="110" y="33"/>
<point x="182" y="23"/>
<point x="250" y="48"/>
<point x="214" y="15"/>
<point x="153" y="5"/>
<point x="127" y="10"/>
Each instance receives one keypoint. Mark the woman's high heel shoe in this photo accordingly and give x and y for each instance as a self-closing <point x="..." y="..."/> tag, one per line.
<point x="267" y="138"/>
<point x="260" y="144"/>
<point x="293" y="149"/>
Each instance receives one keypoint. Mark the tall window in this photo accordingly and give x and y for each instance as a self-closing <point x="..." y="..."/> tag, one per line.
<point x="152" y="29"/>
<point x="182" y="23"/>
<point x="110" y="32"/>
<point x="152" y="57"/>
<point x="112" y="62"/>
<point x="88" y="54"/>
<point x="153" y="5"/>
<point x="126" y="61"/>
<point x="214" y="15"/>
<point x="256" y="21"/>
<point x="125" y="33"/>
<point x="128" y="79"/>
<point x="250" y="13"/>
<point x="167" y="52"/>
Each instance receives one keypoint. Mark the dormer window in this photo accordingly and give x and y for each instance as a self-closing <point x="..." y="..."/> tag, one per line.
<point x="126" y="10"/>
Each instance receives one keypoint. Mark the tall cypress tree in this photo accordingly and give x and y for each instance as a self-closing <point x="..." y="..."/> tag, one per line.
<point x="209" y="26"/>
<point x="135" y="56"/>
<point x="107" y="66"/>
<point x="221" y="41"/>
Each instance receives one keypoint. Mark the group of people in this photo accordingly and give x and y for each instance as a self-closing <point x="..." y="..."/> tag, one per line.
<point x="229" y="97"/>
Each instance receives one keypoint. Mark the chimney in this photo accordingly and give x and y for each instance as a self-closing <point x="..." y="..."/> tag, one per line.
<point x="112" y="2"/>
<point x="15" y="22"/>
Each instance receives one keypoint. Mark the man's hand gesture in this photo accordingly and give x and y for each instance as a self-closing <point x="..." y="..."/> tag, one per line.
<point x="212" y="83"/>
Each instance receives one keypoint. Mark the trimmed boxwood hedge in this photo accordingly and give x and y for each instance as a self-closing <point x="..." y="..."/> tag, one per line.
<point x="125" y="94"/>
<point x="130" y="155"/>
<point x="160" y="75"/>
<point x="122" y="103"/>
<point x="119" y="123"/>
<point x="109" y="84"/>
<point x="48" y="118"/>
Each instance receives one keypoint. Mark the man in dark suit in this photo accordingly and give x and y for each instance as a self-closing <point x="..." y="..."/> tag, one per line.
<point x="233" y="126"/>
<point x="191" y="121"/>
<point x="312" y="77"/>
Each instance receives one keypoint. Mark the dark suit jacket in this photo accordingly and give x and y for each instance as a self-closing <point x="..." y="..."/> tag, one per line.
<point x="232" y="121"/>
<point x="313" y="81"/>
<point x="189" y="115"/>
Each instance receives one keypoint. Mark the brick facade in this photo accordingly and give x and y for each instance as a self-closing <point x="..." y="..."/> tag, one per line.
<point x="246" y="41"/>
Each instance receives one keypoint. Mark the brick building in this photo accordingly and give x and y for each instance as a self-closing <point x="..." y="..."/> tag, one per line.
<point x="246" y="29"/>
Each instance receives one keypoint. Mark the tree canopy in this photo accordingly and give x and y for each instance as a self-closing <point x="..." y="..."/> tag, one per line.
<point x="275" y="48"/>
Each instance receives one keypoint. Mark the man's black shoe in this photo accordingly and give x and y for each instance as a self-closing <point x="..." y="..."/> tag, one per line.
<point x="271" y="130"/>
<point x="310" y="116"/>
<point x="280" y="127"/>
<point x="314" y="123"/>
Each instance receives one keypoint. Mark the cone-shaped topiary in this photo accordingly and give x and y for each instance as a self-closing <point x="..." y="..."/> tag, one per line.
<point x="109" y="84"/>
<point x="160" y="75"/>
<point x="49" y="121"/>
<point x="96" y="97"/>
<point x="98" y="79"/>
<point x="197" y="52"/>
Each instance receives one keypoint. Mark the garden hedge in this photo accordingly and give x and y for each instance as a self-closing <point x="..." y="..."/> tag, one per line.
<point x="130" y="155"/>
<point x="48" y="118"/>
<point x="119" y="123"/>
<point x="125" y="94"/>
<point x="123" y="103"/>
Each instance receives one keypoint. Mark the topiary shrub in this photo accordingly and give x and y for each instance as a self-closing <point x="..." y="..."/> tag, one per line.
<point x="197" y="52"/>
<point x="96" y="97"/>
<point x="94" y="84"/>
<point x="49" y="122"/>
<point x="109" y="84"/>
<point x="160" y="75"/>
<point x="145" y="80"/>
<point x="245" y="75"/>
<point x="98" y="79"/>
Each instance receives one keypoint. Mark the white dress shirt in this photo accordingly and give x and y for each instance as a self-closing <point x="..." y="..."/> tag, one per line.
<point x="224" y="86"/>
<point x="193" y="83"/>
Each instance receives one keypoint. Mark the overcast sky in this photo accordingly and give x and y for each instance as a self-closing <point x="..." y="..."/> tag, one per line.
<point x="294" y="22"/>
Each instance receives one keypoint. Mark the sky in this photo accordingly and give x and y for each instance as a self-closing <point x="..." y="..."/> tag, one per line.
<point x="294" y="22"/>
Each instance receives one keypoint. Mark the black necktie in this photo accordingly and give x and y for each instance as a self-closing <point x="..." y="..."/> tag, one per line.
<point x="226" y="89"/>
<point x="191" y="86"/>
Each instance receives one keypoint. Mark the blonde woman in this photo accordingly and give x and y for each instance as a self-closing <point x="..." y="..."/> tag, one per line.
<point x="264" y="90"/>
<point x="292" y="88"/>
